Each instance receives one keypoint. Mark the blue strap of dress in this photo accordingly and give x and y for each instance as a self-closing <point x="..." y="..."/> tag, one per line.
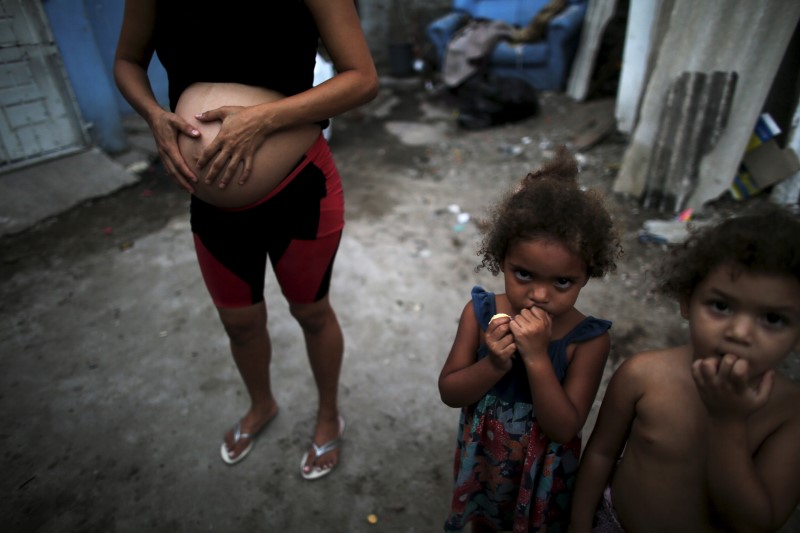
<point x="483" y="305"/>
<point x="588" y="328"/>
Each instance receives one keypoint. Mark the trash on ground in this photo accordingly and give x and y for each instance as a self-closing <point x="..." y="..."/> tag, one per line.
<point x="511" y="149"/>
<point x="462" y="217"/>
<point x="673" y="231"/>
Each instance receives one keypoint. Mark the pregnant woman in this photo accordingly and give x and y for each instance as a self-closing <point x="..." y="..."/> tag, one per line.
<point x="243" y="136"/>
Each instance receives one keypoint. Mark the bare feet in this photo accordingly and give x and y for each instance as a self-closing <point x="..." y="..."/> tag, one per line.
<point x="327" y="431"/>
<point x="240" y="438"/>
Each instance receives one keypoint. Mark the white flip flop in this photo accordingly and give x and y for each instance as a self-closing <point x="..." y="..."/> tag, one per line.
<point x="317" y="472"/>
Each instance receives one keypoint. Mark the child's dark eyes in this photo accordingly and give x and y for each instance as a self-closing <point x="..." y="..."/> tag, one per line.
<point x="770" y="320"/>
<point x="523" y="275"/>
<point x="719" y="306"/>
<point x="559" y="283"/>
<point x="563" y="283"/>
<point x="774" y="320"/>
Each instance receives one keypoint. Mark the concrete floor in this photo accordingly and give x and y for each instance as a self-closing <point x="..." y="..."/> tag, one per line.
<point x="117" y="384"/>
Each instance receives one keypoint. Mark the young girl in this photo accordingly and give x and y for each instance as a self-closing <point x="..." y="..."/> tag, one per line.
<point x="526" y="379"/>
<point x="711" y="434"/>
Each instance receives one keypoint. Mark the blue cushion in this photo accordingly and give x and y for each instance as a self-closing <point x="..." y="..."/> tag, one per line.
<point x="520" y="54"/>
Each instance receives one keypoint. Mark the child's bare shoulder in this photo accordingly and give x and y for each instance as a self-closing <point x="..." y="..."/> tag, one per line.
<point x="658" y="362"/>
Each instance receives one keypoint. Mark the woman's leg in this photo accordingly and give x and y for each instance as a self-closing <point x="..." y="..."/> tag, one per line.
<point x="325" y="346"/>
<point x="252" y="351"/>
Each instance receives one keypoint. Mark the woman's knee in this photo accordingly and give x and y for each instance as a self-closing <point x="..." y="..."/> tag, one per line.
<point x="313" y="317"/>
<point x="243" y="324"/>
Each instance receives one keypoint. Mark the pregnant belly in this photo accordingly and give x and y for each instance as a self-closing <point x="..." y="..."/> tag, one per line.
<point x="276" y="157"/>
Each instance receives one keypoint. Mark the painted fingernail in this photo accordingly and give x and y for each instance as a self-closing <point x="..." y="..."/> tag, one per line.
<point x="195" y="133"/>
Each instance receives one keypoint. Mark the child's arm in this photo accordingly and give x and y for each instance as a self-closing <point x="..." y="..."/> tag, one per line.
<point x="561" y="411"/>
<point x="463" y="380"/>
<point x="605" y="444"/>
<point x="750" y="493"/>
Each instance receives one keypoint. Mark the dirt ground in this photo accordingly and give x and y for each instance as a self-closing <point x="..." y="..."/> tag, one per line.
<point x="117" y="384"/>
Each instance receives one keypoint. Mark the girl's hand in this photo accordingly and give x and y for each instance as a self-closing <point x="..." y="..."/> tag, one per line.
<point x="166" y="127"/>
<point x="532" y="329"/>
<point x="501" y="344"/>
<point x="243" y="131"/>
<point x="726" y="388"/>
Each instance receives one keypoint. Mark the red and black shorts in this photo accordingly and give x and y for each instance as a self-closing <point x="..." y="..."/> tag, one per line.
<point x="298" y="226"/>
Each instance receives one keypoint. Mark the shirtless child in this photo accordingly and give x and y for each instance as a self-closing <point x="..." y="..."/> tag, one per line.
<point x="710" y="432"/>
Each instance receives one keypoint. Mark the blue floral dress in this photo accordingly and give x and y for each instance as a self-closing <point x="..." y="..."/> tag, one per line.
<point x="508" y="474"/>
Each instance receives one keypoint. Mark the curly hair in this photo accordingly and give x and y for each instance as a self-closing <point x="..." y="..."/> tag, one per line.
<point x="549" y="204"/>
<point x="764" y="240"/>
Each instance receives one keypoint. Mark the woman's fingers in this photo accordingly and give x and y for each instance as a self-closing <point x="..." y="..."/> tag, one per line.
<point x="248" y="168"/>
<point x="231" y="153"/>
<point x="176" y="175"/>
<point x="180" y="171"/>
<point x="225" y="168"/>
<point x="229" y="171"/>
<point x="187" y="129"/>
<point x="166" y="130"/>
<point x="212" y="115"/>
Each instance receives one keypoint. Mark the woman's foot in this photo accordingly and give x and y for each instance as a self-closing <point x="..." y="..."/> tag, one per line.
<point x="323" y="454"/>
<point x="240" y="438"/>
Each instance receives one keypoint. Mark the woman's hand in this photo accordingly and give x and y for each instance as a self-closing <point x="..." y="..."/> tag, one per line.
<point x="726" y="388"/>
<point x="501" y="344"/>
<point x="166" y="127"/>
<point x="532" y="329"/>
<point x="243" y="131"/>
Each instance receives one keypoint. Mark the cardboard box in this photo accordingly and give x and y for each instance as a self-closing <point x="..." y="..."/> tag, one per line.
<point x="764" y="162"/>
<point x="769" y="164"/>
